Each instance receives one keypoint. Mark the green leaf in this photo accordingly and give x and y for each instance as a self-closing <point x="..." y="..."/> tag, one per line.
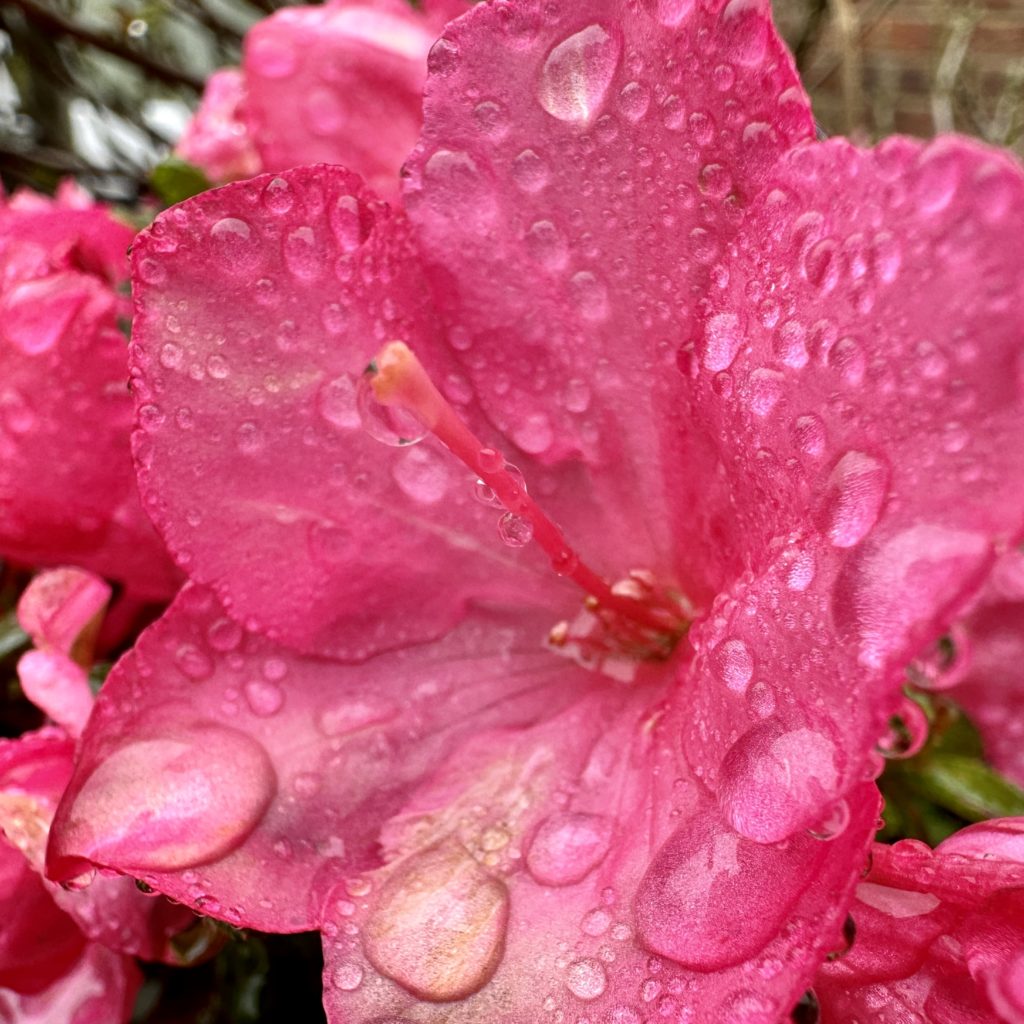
<point x="12" y="637"/>
<point x="966" y="787"/>
<point x="175" y="180"/>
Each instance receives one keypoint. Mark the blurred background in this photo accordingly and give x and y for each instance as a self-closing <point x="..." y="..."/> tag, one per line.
<point x="102" y="88"/>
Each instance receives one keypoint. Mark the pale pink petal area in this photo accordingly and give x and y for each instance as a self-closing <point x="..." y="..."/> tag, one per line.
<point x="217" y="138"/>
<point x="34" y="771"/>
<point x="99" y="989"/>
<point x="992" y="691"/>
<point x="64" y="370"/>
<point x="259" y="306"/>
<point x="572" y="870"/>
<point x="860" y="380"/>
<point x="339" y="84"/>
<point x="581" y="171"/>
<point x="241" y="778"/>
<point x="939" y="934"/>
<point x="59" y="606"/>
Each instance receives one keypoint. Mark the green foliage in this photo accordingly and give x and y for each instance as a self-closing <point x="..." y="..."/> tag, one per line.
<point x="174" y="180"/>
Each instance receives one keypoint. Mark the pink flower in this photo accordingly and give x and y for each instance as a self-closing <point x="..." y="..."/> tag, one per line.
<point x="770" y="390"/>
<point x="217" y="138"/>
<point x="66" y="487"/>
<point x="939" y="934"/>
<point x="340" y="83"/>
<point x="65" y="954"/>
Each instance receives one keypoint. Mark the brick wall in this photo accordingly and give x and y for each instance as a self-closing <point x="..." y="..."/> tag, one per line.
<point x="874" y="67"/>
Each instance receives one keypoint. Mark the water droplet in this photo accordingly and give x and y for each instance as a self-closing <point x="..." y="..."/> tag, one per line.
<point x="715" y="181"/>
<point x="546" y="245"/>
<point x="938" y="178"/>
<point x="848" y="938"/>
<point x="224" y="635"/>
<point x="907" y="732"/>
<point x="438" y="929"/>
<point x="300" y="254"/>
<point x="193" y="662"/>
<point x="529" y="172"/>
<point x="847" y="359"/>
<point x="822" y="264"/>
<point x="834" y="823"/>
<point x="733" y="664"/>
<point x="350" y="714"/>
<point x="237" y="247"/>
<point x="351" y="221"/>
<point x="765" y="390"/>
<point x="388" y="424"/>
<point x="492" y="119"/>
<point x="577" y="73"/>
<point x="590" y="295"/>
<point x="515" y="531"/>
<point x="586" y="979"/>
<point x="807" y="1010"/>
<point x="171" y="356"/>
<point x="534" y="433"/>
<point x="217" y="367"/>
<point x="324" y="112"/>
<point x="853" y="499"/>
<point x="347" y="977"/>
<point x="567" y="846"/>
<point x="421" y="474"/>
<point x="721" y="341"/>
<point x="277" y="196"/>
<point x="809" y="435"/>
<point x="774" y="779"/>
<point x="443" y="58"/>
<point x="490" y="460"/>
<point x="565" y="563"/>
<point x="596" y="922"/>
<point x="264" y="699"/>
<point x="249" y="438"/>
<point x="171" y="802"/>
<point x="336" y="402"/>
<point x="634" y="99"/>
<point x="669" y="12"/>
<point x="745" y="31"/>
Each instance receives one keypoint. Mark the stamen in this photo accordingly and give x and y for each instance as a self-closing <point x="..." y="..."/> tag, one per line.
<point x="398" y="381"/>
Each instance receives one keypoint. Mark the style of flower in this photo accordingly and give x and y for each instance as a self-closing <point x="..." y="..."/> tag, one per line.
<point x="65" y="954"/>
<point x="939" y="934"/>
<point x="340" y="83"/>
<point x="769" y="390"/>
<point x="67" y="492"/>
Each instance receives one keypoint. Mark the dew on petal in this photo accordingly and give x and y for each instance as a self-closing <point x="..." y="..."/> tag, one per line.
<point x="568" y="846"/>
<point x="586" y="979"/>
<point x="853" y="498"/>
<point x="577" y="73"/>
<point x="515" y="531"/>
<point x="438" y="929"/>
<point x="391" y="425"/>
<point x="171" y="801"/>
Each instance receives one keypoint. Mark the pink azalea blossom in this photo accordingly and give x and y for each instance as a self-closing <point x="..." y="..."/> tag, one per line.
<point x="939" y="934"/>
<point x="770" y="391"/>
<point x="217" y="138"/>
<point x="67" y="492"/>
<point x="340" y="83"/>
<point x="65" y="954"/>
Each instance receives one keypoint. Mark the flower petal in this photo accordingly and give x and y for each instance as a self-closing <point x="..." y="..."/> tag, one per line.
<point x="581" y="171"/>
<point x="240" y="778"/>
<point x="569" y="869"/>
<point x="338" y="84"/>
<point x="217" y="138"/>
<point x="99" y="989"/>
<point x="865" y="430"/>
<point x="62" y="363"/>
<point x="259" y="306"/>
<point x="34" y="771"/>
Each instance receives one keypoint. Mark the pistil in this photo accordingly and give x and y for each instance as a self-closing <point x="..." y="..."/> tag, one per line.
<point x="398" y="380"/>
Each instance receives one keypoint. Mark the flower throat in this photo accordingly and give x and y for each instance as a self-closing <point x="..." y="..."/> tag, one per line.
<point x="638" y="618"/>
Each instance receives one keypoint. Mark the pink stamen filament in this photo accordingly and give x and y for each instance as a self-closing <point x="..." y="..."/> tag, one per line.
<point x="399" y="380"/>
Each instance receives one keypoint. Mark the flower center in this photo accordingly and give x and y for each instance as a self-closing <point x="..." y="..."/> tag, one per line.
<point x="634" y="618"/>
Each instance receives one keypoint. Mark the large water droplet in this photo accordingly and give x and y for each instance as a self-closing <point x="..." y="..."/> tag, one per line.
<point x="301" y="255"/>
<point x="515" y="531"/>
<point x="421" y="474"/>
<point x="336" y="402"/>
<point x="235" y="244"/>
<point x="439" y="926"/>
<point x="775" y="780"/>
<point x="669" y="12"/>
<point x="390" y="425"/>
<point x="568" y="846"/>
<point x="577" y="73"/>
<point x="746" y="28"/>
<point x="171" y="801"/>
<point x="586" y="979"/>
<point x="264" y="698"/>
<point x="721" y="341"/>
<point x="733" y="664"/>
<point x="853" y="498"/>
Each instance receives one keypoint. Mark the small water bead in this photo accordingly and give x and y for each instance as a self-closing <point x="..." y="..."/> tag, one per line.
<point x="390" y="425"/>
<point x="567" y="846"/>
<point x="351" y="221"/>
<point x="422" y="475"/>
<point x="534" y="434"/>
<point x="530" y="173"/>
<point x="733" y="664"/>
<point x="193" y="662"/>
<point x="565" y="563"/>
<point x="586" y="979"/>
<point x="834" y="824"/>
<point x="945" y="664"/>
<point x="347" y="977"/>
<point x="514" y="530"/>
<point x="238" y="248"/>
<point x="596" y="922"/>
<point x="336" y="402"/>
<point x="483" y="493"/>
<point x="278" y="196"/>
<point x="634" y="100"/>
<point x="264" y="699"/>
<point x="907" y="732"/>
